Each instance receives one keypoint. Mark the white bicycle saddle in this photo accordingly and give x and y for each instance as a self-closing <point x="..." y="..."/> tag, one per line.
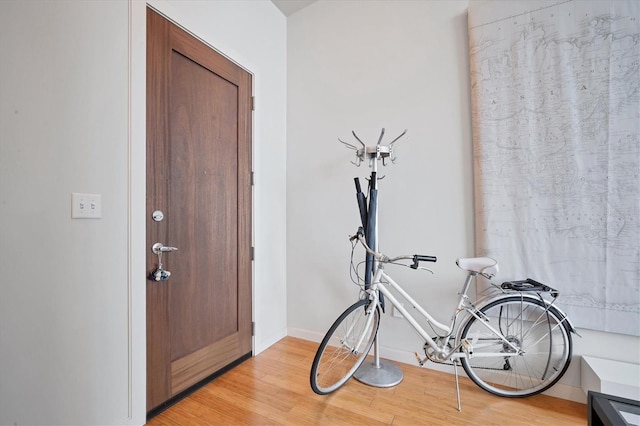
<point x="480" y="265"/>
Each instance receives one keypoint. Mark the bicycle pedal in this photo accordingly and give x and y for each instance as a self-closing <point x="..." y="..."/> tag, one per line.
<point x="421" y="361"/>
<point x="467" y="348"/>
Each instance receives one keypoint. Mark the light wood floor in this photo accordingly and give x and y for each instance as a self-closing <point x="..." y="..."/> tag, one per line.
<point x="273" y="389"/>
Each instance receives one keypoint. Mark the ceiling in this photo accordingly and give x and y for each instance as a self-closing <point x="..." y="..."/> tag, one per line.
<point x="291" y="6"/>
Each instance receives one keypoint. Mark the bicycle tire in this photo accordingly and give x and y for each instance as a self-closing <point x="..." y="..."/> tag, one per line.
<point x="532" y="326"/>
<point x="338" y="358"/>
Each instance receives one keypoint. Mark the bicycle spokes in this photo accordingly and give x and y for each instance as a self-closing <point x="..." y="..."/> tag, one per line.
<point x="528" y="354"/>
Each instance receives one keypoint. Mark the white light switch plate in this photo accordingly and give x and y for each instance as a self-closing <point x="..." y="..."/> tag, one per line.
<point x="86" y="206"/>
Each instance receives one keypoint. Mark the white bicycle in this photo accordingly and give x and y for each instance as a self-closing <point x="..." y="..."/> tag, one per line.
<point x="514" y="342"/>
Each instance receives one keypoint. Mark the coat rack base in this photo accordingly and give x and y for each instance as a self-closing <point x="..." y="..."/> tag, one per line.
<point x="384" y="375"/>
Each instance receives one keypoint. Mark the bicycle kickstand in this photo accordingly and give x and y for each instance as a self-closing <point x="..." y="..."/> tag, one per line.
<point x="455" y="369"/>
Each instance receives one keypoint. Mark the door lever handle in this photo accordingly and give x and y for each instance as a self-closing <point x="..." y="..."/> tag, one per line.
<point x="158" y="248"/>
<point x="160" y="274"/>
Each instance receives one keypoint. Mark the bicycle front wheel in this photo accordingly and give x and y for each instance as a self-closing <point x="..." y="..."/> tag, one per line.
<point x="344" y="347"/>
<point x="531" y="328"/>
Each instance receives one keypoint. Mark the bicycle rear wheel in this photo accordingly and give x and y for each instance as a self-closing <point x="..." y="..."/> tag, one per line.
<point x="529" y="325"/>
<point x="344" y="347"/>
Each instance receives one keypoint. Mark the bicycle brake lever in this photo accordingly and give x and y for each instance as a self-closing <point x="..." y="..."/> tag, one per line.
<point x="359" y="233"/>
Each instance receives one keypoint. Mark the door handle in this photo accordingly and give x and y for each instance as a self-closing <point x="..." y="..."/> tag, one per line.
<point x="158" y="248"/>
<point x="160" y="274"/>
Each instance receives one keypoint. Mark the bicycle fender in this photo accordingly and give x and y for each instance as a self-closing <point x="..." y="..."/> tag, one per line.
<point x="560" y="313"/>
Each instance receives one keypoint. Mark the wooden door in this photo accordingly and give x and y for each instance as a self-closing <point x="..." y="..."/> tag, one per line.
<point x="199" y="177"/>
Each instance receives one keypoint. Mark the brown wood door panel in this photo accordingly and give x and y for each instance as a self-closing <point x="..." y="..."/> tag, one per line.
<point x="203" y="153"/>
<point x="198" y="174"/>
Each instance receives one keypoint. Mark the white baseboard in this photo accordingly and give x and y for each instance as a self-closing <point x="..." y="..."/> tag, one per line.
<point x="559" y="390"/>
<point x="312" y="336"/>
<point x="572" y="393"/>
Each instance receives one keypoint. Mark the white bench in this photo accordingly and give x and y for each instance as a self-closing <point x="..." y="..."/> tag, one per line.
<point x="610" y="377"/>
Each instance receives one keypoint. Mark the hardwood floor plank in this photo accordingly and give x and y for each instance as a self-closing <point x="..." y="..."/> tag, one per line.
<point x="273" y="389"/>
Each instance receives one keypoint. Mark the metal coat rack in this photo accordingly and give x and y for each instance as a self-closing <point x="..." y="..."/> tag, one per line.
<point x="379" y="373"/>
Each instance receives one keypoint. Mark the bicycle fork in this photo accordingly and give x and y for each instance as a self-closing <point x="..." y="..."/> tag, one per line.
<point x="370" y="307"/>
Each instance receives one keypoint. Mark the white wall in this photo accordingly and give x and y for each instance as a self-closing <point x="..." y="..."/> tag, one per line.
<point x="72" y="120"/>
<point x="393" y="64"/>
<point x="65" y="331"/>
<point x="363" y="66"/>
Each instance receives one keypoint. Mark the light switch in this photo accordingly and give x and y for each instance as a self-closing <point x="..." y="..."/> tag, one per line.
<point x="86" y="206"/>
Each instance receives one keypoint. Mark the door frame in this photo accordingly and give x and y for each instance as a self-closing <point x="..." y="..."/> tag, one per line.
<point x="137" y="220"/>
<point x="137" y="171"/>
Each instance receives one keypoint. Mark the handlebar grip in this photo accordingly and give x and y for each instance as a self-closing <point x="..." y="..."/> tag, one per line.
<point x="421" y="258"/>
<point x="358" y="188"/>
<point x="424" y="258"/>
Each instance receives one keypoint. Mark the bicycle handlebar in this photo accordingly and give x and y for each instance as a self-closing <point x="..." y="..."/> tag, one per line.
<point x="417" y="258"/>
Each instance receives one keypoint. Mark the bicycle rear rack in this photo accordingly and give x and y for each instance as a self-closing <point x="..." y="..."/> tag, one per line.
<point x="529" y="285"/>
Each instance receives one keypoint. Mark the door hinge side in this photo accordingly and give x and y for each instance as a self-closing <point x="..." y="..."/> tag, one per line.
<point x="253" y="253"/>
<point x="253" y="328"/>
<point x="253" y="178"/>
<point x="253" y="103"/>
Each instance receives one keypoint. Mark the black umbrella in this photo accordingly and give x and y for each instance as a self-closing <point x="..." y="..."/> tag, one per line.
<point x="370" y="233"/>
<point x="362" y="204"/>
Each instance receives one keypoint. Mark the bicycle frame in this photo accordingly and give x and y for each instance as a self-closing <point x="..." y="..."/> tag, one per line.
<point x="378" y="285"/>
